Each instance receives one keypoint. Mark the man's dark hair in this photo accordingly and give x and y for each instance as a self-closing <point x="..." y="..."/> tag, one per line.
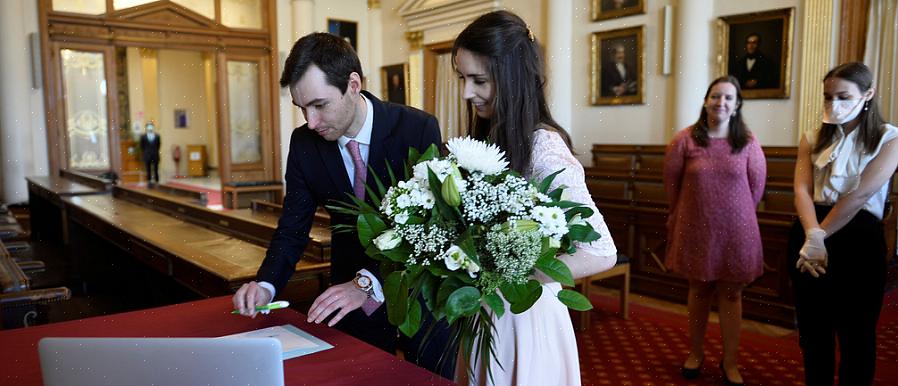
<point x="755" y="35"/>
<point x="333" y="55"/>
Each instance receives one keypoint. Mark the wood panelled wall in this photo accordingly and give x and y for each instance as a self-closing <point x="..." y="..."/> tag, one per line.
<point x="625" y="183"/>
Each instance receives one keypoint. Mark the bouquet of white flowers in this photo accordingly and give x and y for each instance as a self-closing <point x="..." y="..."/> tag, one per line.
<point x="460" y="230"/>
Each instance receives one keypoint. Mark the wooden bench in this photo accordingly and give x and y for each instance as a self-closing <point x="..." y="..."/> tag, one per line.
<point x="18" y="301"/>
<point x="202" y="259"/>
<point x="239" y="194"/>
<point x="620" y="268"/>
<point x="45" y="194"/>
<point x="254" y="226"/>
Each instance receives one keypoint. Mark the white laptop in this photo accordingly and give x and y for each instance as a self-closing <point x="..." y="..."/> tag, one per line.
<point x="161" y="361"/>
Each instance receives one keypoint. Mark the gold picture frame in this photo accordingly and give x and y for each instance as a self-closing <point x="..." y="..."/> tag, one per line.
<point x="756" y="48"/>
<point x="617" y="67"/>
<point x="394" y="83"/>
<point x="612" y="9"/>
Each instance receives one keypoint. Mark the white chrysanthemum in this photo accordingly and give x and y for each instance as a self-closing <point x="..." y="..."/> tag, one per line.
<point x="477" y="156"/>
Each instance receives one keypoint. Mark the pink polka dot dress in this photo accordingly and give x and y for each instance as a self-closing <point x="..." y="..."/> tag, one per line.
<point x="712" y="227"/>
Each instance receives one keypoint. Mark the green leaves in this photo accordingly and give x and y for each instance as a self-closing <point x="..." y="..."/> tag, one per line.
<point x="574" y="300"/>
<point x="556" y="269"/>
<point x="582" y="233"/>
<point x="369" y="226"/>
<point x="464" y="301"/>
<point x="396" y="294"/>
<point x="547" y="182"/>
<point x="413" y="321"/>
<point x="494" y="301"/>
<point x="522" y="296"/>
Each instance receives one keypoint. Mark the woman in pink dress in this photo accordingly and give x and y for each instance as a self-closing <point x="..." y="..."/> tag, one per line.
<point x="714" y="174"/>
<point x="497" y="57"/>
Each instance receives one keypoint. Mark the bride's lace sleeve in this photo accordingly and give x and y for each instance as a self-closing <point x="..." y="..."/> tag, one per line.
<point x="551" y="154"/>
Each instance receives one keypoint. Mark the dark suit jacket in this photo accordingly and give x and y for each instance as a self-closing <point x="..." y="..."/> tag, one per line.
<point x="316" y="176"/>
<point x="150" y="149"/>
<point x="763" y="72"/>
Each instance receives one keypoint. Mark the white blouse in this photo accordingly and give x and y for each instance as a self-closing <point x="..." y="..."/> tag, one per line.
<point x="838" y="168"/>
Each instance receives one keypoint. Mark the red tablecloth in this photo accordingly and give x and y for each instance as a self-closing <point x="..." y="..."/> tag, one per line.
<point x="350" y="362"/>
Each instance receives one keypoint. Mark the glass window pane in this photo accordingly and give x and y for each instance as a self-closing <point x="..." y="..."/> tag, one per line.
<point x="119" y="4"/>
<point x="202" y="7"/>
<point x="242" y="13"/>
<point x="243" y="112"/>
<point x="84" y="79"/>
<point x="90" y="7"/>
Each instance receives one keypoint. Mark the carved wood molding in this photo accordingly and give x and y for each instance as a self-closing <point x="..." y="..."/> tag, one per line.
<point x="162" y="24"/>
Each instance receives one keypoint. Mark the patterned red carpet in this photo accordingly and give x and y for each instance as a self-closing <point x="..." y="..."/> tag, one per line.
<point x="649" y="348"/>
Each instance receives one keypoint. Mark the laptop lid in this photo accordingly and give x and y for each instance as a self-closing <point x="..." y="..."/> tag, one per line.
<point x="161" y="361"/>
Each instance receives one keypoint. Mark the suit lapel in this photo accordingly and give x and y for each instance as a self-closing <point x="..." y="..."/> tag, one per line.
<point x="330" y="156"/>
<point x="380" y="143"/>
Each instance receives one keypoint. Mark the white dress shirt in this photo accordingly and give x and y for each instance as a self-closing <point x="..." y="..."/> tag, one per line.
<point x="838" y="168"/>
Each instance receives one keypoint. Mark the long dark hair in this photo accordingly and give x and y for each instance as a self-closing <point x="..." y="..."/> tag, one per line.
<point x="515" y="65"/>
<point x="739" y="135"/>
<point x="870" y="127"/>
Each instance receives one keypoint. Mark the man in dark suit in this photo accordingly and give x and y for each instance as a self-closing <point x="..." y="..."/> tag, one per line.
<point x="618" y="79"/>
<point x="754" y="69"/>
<point x="149" y="148"/>
<point x="348" y="130"/>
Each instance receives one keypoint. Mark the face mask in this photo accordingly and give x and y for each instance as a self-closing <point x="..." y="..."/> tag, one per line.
<point x="839" y="112"/>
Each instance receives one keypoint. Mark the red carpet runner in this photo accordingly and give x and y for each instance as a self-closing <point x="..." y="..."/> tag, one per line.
<point x="649" y="348"/>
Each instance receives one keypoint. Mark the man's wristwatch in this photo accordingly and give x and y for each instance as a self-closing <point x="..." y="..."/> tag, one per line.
<point x="364" y="284"/>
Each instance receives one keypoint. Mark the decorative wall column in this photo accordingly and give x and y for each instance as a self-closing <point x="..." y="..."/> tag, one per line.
<point x="692" y="59"/>
<point x="559" y="65"/>
<point x="816" y="54"/>
<point x="415" y="68"/>
<point x="376" y="50"/>
<point x="303" y="24"/>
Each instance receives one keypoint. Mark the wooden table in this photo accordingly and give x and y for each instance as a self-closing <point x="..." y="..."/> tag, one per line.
<point x="206" y="261"/>
<point x="48" y="215"/>
<point x="350" y="362"/>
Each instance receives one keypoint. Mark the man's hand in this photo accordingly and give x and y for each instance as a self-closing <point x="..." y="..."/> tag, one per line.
<point x="249" y="296"/>
<point x="346" y="297"/>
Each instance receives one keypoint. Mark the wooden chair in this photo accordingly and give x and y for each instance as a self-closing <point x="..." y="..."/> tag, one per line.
<point x="621" y="268"/>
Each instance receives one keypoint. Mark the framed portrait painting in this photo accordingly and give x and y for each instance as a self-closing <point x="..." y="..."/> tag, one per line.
<point x="394" y="79"/>
<point x="616" y="69"/>
<point x="345" y="29"/>
<point x="756" y="49"/>
<point x="610" y="9"/>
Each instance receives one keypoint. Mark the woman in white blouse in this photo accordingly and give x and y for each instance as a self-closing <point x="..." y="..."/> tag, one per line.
<point x="837" y="246"/>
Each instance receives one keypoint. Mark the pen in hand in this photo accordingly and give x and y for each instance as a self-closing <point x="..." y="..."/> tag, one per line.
<point x="268" y="307"/>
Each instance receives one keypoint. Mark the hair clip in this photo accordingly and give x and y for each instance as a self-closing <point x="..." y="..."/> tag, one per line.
<point x="530" y="34"/>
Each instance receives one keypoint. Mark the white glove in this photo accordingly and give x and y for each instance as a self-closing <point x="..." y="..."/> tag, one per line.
<point x="812" y="256"/>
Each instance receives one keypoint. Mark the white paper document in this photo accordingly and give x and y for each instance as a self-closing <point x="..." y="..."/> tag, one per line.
<point x="294" y="342"/>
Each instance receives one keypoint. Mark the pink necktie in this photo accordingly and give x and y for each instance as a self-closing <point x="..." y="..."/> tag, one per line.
<point x="358" y="180"/>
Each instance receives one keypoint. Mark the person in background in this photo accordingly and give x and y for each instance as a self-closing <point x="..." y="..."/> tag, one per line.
<point x="150" y="143"/>
<point x="837" y="247"/>
<point x="714" y="173"/>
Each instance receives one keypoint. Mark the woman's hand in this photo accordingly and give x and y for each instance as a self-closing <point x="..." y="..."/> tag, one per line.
<point x="813" y="256"/>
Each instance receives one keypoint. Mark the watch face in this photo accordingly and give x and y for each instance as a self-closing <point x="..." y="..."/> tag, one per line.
<point x="364" y="281"/>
